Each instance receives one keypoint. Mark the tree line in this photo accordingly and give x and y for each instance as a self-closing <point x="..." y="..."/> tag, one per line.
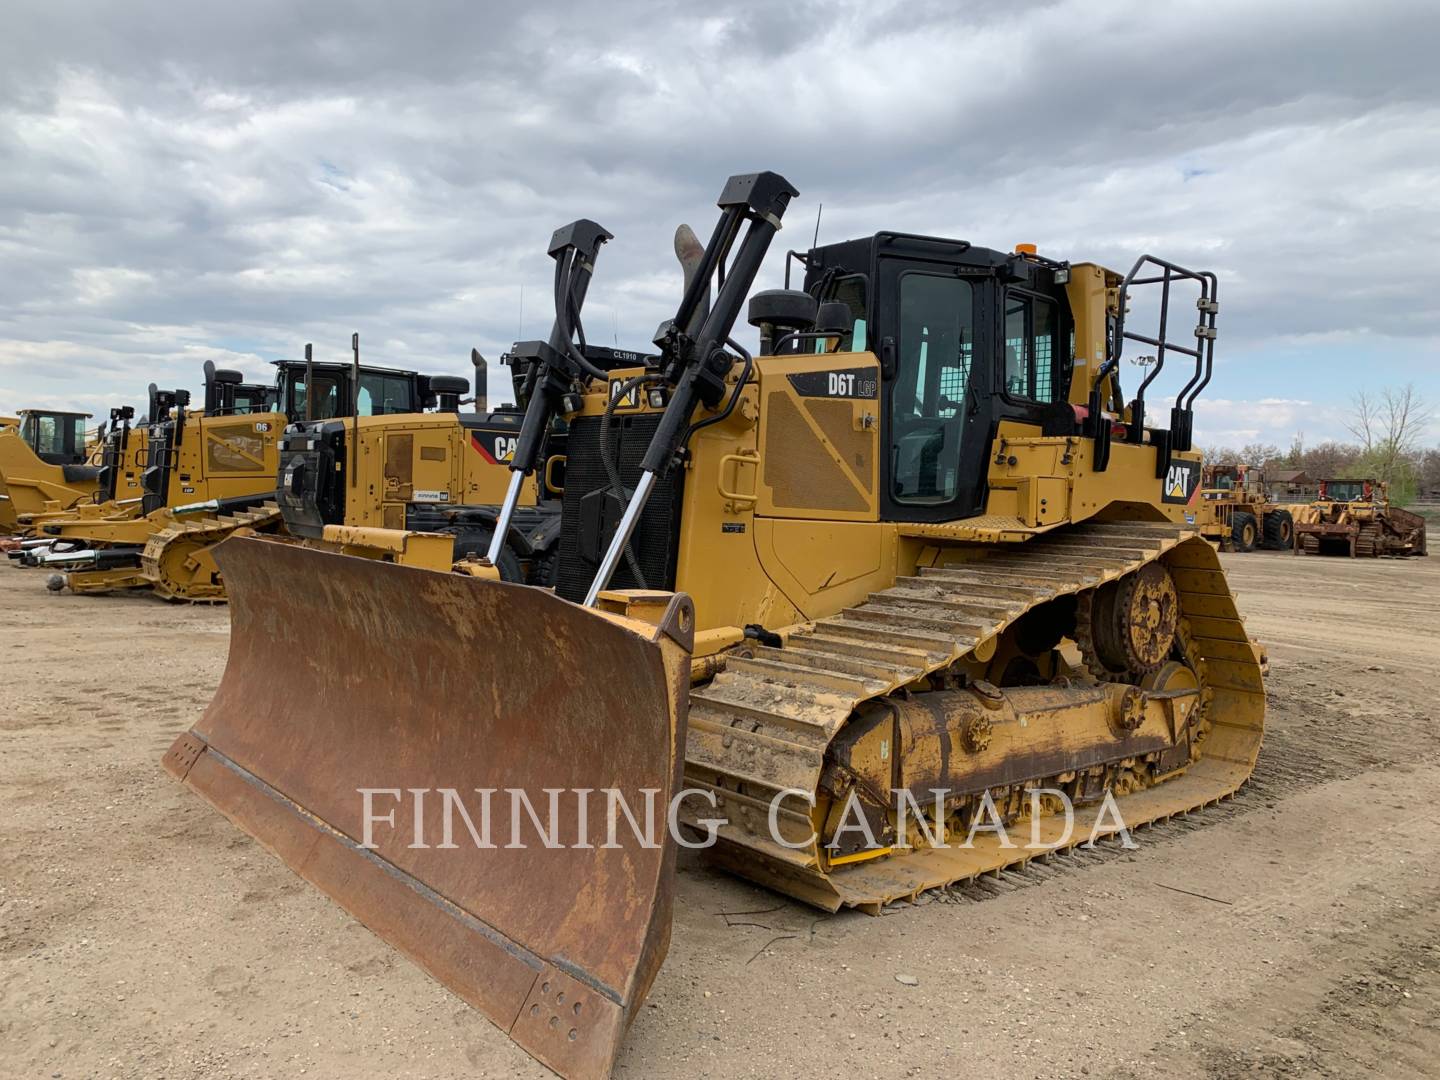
<point x="1388" y="431"/>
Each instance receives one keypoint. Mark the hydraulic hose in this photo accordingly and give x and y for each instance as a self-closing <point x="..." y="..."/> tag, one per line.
<point x="565" y="308"/>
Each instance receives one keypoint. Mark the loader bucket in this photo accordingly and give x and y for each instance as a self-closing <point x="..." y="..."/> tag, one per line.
<point x="349" y="675"/>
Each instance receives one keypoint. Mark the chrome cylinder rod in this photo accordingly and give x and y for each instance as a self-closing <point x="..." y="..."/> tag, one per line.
<point x="60" y="558"/>
<point x="502" y="523"/>
<point x="197" y="507"/>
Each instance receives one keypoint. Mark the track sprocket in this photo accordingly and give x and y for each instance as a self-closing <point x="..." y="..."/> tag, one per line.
<point x="1126" y="628"/>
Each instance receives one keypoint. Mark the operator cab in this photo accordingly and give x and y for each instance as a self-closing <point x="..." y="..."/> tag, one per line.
<point x="58" y="438"/>
<point x="317" y="450"/>
<point x="1347" y="491"/>
<point x="228" y="394"/>
<point x="382" y="391"/>
<point x="968" y="338"/>
<point x="927" y="308"/>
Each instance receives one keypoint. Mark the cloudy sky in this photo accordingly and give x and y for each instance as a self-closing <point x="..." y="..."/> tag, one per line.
<point x="191" y="181"/>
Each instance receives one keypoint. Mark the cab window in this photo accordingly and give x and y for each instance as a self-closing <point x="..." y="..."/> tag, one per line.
<point x="1030" y="337"/>
<point x="251" y="401"/>
<point x="54" y="437"/>
<point x="327" y="397"/>
<point x="850" y="291"/>
<point x="928" y="396"/>
<point x="384" y="395"/>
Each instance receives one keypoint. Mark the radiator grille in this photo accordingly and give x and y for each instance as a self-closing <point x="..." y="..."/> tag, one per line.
<point x="583" y="544"/>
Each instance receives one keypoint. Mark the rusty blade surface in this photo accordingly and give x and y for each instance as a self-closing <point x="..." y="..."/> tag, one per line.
<point x="347" y="674"/>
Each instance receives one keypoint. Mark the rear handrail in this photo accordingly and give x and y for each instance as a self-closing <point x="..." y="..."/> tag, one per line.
<point x="1167" y="274"/>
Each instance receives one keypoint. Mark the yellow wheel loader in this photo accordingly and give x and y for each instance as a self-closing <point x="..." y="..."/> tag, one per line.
<point x="931" y="571"/>
<point x="43" y="465"/>
<point x="1355" y="518"/>
<point x="1236" y="514"/>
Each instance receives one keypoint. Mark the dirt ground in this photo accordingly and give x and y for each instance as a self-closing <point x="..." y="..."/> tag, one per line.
<point x="1293" y="931"/>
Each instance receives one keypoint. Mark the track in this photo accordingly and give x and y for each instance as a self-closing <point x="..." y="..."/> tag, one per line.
<point x="763" y="725"/>
<point x="177" y="560"/>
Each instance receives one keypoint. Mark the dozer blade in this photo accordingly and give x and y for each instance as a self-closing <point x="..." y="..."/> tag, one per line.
<point x="347" y="674"/>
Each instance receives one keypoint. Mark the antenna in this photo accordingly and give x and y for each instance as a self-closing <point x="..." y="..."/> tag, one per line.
<point x="520" y="323"/>
<point x="355" y="408"/>
<point x="818" y="210"/>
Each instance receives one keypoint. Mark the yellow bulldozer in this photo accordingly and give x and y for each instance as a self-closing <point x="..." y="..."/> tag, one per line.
<point x="204" y="476"/>
<point x="169" y="489"/>
<point x="910" y="569"/>
<point x="427" y="489"/>
<point x="119" y="457"/>
<point x="1355" y="518"/>
<point x="44" y="465"/>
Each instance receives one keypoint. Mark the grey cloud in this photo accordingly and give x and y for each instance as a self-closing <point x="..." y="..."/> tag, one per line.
<point x="182" y="181"/>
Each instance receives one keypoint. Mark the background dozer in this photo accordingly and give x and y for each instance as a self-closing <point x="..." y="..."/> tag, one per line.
<point x="121" y="452"/>
<point x="1355" y="518"/>
<point x="44" y="465"/>
<point x="429" y="489"/>
<point x="203" y="475"/>
<point x="931" y="548"/>
<point x="1236" y="512"/>
<point x="207" y="476"/>
<point x="120" y="458"/>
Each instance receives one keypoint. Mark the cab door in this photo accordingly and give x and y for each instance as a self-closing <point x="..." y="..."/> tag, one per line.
<point x="936" y="338"/>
